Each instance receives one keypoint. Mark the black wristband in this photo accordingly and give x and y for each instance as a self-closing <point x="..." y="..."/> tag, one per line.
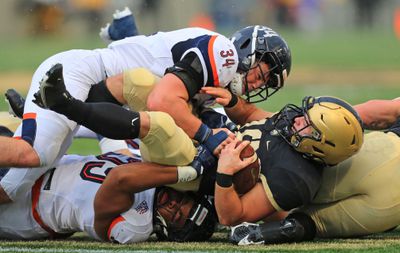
<point x="234" y="100"/>
<point x="223" y="180"/>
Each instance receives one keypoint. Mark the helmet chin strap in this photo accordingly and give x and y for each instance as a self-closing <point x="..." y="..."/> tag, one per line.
<point x="236" y="85"/>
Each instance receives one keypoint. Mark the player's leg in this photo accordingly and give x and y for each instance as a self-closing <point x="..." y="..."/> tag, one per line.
<point x="296" y="227"/>
<point x="18" y="152"/>
<point x="165" y="142"/>
<point x="107" y="119"/>
<point x="356" y="216"/>
<point x="17" y="221"/>
<point x="44" y="136"/>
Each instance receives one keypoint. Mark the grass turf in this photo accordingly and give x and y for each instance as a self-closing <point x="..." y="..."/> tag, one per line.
<point x="385" y="242"/>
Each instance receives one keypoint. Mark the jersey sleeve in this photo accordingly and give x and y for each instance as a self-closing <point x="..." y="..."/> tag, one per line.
<point x="221" y="61"/>
<point x="217" y="57"/>
<point x="122" y="231"/>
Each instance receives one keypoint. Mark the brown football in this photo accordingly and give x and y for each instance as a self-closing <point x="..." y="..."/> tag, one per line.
<point x="246" y="178"/>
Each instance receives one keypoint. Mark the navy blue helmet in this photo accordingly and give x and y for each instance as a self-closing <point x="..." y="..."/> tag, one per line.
<point x="256" y="44"/>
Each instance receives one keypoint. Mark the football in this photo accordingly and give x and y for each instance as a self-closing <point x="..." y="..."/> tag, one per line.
<point x="246" y="178"/>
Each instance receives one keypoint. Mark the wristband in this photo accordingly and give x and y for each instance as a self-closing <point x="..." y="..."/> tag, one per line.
<point x="203" y="133"/>
<point x="186" y="174"/>
<point x="234" y="100"/>
<point x="223" y="180"/>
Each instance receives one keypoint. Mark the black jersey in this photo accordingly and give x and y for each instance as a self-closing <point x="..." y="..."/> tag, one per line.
<point x="289" y="179"/>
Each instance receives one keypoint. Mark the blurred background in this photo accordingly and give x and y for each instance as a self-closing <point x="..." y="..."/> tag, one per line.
<point x="344" y="48"/>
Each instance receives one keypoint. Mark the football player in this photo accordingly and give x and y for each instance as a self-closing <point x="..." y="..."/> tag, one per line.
<point x="293" y="147"/>
<point x="71" y="198"/>
<point x="350" y="202"/>
<point x="257" y="59"/>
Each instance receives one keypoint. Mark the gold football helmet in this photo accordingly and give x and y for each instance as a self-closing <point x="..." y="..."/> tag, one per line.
<point x="335" y="133"/>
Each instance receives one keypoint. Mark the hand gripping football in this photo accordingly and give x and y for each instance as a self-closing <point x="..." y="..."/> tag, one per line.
<point x="246" y="178"/>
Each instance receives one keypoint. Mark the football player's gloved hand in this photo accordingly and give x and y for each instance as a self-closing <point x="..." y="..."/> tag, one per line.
<point x="214" y="119"/>
<point x="15" y="103"/>
<point x="52" y="92"/>
<point x="205" y="136"/>
<point x="122" y="26"/>
<point x="246" y="234"/>
<point x="203" y="160"/>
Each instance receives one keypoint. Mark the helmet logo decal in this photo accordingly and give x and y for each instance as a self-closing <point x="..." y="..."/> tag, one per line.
<point x="201" y="216"/>
<point x="268" y="32"/>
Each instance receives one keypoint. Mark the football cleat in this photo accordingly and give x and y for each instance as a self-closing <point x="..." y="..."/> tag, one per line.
<point x="52" y="92"/>
<point x="122" y="26"/>
<point x="246" y="234"/>
<point x="15" y="103"/>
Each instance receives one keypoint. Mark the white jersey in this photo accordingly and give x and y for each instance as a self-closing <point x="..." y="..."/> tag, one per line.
<point x="51" y="133"/>
<point x="63" y="201"/>
<point x="162" y="50"/>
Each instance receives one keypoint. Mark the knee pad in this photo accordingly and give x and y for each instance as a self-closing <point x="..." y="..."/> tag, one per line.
<point x="166" y="143"/>
<point x="137" y="85"/>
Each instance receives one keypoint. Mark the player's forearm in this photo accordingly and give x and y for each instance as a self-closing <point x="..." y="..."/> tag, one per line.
<point x="110" y="201"/>
<point x="115" y="194"/>
<point x="244" y="112"/>
<point x="228" y="205"/>
<point x="378" y="114"/>
<point x="137" y="177"/>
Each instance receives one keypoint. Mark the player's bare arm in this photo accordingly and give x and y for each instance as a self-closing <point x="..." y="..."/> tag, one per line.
<point x="115" y="195"/>
<point x="231" y="208"/>
<point x="241" y="112"/>
<point x="378" y="114"/>
<point x="171" y="96"/>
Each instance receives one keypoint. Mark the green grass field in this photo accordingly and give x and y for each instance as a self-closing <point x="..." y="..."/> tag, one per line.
<point x="357" y="51"/>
